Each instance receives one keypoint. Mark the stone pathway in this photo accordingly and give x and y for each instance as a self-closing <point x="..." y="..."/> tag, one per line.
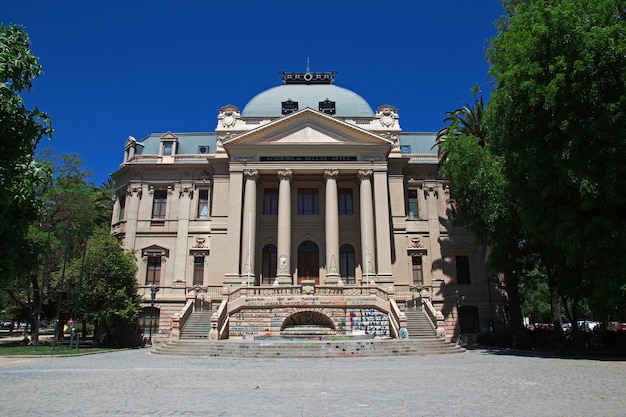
<point x="474" y="383"/>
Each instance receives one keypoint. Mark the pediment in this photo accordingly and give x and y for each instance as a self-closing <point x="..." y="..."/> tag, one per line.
<point x="155" y="250"/>
<point x="169" y="136"/>
<point x="308" y="127"/>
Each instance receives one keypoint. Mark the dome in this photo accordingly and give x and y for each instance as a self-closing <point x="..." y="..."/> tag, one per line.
<point x="269" y="102"/>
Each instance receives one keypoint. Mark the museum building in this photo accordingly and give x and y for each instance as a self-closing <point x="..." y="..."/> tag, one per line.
<point x="306" y="211"/>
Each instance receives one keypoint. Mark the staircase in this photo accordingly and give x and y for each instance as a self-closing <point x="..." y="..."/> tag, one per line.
<point x="418" y="325"/>
<point x="324" y="348"/>
<point x="198" y="325"/>
<point x="194" y="342"/>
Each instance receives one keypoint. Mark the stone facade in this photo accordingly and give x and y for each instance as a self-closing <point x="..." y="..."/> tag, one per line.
<point x="285" y="195"/>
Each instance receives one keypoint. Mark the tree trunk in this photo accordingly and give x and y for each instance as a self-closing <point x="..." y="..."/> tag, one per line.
<point x="515" y="309"/>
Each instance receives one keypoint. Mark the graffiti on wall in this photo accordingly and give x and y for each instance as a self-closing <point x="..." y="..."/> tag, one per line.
<point x="367" y="320"/>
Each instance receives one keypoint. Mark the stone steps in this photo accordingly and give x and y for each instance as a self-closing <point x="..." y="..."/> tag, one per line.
<point x="277" y="348"/>
<point x="198" y="325"/>
<point x="418" y="325"/>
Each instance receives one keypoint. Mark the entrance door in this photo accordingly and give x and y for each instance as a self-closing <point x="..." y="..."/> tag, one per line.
<point x="308" y="262"/>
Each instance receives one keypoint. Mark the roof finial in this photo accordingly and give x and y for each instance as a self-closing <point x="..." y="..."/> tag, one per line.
<point x="308" y="67"/>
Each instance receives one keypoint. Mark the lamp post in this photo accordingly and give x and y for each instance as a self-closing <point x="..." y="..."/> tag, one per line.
<point x="153" y="291"/>
<point x="458" y="296"/>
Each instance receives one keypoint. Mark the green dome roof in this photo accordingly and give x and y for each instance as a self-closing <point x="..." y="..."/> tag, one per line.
<point x="268" y="103"/>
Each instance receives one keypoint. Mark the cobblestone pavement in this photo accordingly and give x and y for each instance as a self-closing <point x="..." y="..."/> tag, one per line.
<point x="475" y="383"/>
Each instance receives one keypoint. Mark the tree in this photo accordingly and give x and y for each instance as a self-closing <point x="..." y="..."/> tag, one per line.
<point x="479" y="190"/>
<point x="105" y="283"/>
<point x="557" y="116"/>
<point x="21" y="177"/>
<point x="467" y="120"/>
<point x="72" y="208"/>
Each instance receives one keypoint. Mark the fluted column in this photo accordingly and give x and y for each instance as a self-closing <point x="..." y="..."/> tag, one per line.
<point x="332" y="226"/>
<point x="283" y="273"/>
<point x="248" y="233"/>
<point x="368" y="250"/>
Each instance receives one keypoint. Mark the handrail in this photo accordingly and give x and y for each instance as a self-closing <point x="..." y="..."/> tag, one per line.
<point x="345" y="290"/>
<point x="397" y="320"/>
<point x="219" y="320"/>
<point x="180" y="319"/>
<point x="435" y="317"/>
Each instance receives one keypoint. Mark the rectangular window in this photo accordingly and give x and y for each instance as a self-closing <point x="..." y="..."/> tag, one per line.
<point x="345" y="201"/>
<point x="203" y="204"/>
<point x="270" y="201"/>
<point x="308" y="201"/>
<point x="122" y="207"/>
<point x="158" y="204"/>
<point x="153" y="272"/>
<point x="412" y="203"/>
<point x="198" y="270"/>
<point x="416" y="264"/>
<point x="463" y="270"/>
<point x="167" y="148"/>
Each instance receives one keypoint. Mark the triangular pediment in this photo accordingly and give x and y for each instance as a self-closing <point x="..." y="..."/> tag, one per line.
<point x="155" y="250"/>
<point x="169" y="136"/>
<point x="308" y="127"/>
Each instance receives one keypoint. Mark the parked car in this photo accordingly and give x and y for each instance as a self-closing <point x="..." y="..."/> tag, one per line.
<point x="617" y="326"/>
<point x="586" y="325"/>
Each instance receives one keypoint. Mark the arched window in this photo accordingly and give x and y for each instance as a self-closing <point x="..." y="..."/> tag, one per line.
<point x="347" y="264"/>
<point x="268" y="264"/>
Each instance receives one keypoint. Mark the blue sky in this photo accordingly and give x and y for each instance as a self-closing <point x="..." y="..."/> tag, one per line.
<point x="130" y="68"/>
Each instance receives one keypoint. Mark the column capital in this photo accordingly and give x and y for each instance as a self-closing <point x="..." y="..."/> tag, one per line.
<point x="252" y="174"/>
<point x="331" y="174"/>
<point x="365" y="174"/>
<point x="285" y="174"/>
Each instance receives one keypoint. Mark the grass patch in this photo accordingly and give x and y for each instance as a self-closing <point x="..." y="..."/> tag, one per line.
<point x="46" y="350"/>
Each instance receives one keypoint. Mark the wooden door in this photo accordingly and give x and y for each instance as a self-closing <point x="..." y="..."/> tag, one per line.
<point x="308" y="262"/>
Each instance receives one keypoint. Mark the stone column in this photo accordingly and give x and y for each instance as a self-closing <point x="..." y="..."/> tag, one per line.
<point x="383" y="236"/>
<point x="283" y="273"/>
<point x="248" y="227"/>
<point x="368" y="250"/>
<point x="331" y="222"/>
<point x="232" y="275"/>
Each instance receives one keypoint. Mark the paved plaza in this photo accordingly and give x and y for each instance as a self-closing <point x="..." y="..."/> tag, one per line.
<point x="474" y="383"/>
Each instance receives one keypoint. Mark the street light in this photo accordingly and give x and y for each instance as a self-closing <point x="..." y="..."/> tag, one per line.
<point x="153" y="291"/>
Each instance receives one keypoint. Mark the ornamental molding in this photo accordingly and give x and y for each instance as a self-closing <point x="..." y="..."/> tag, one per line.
<point x="331" y="174"/>
<point x="285" y="174"/>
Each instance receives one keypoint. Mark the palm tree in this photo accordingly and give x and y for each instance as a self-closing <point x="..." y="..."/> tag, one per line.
<point x="104" y="202"/>
<point x="466" y="120"/>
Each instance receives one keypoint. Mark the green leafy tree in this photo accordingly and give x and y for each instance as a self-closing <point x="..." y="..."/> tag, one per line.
<point x="479" y="190"/>
<point x="22" y="178"/>
<point x="72" y="208"/>
<point x="104" y="283"/>
<point x="557" y="116"/>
